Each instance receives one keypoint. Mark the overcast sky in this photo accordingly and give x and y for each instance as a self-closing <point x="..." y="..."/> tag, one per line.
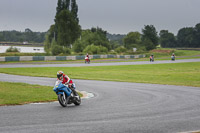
<point x="114" y="16"/>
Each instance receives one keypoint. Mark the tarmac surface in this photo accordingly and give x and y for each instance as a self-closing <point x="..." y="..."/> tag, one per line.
<point x="117" y="107"/>
<point x="16" y="65"/>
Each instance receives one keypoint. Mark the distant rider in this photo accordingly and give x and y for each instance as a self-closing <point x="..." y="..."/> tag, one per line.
<point x="151" y="58"/>
<point x="87" y="55"/>
<point x="173" y="57"/>
<point x="87" y="58"/>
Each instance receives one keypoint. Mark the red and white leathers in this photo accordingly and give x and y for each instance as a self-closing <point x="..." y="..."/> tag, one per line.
<point x="67" y="81"/>
<point x="87" y="56"/>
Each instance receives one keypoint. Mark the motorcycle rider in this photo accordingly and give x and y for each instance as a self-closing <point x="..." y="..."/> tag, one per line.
<point x="151" y="58"/>
<point x="87" y="58"/>
<point x="87" y="55"/>
<point x="65" y="80"/>
<point x="173" y="56"/>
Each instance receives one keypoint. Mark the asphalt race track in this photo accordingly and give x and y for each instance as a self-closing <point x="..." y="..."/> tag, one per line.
<point x="118" y="107"/>
<point x="97" y="64"/>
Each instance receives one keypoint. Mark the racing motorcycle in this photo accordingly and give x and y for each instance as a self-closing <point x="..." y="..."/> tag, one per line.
<point x="173" y="58"/>
<point x="87" y="60"/>
<point x="66" y="95"/>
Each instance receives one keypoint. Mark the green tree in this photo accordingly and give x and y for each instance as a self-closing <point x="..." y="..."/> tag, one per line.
<point x="92" y="49"/>
<point x="149" y="35"/>
<point x="18" y="36"/>
<point x="148" y="44"/>
<point x="60" y="6"/>
<point x="196" y="41"/>
<point x="74" y="10"/>
<point x="132" y="40"/>
<point x="78" y="46"/>
<point x="66" y="4"/>
<point x="67" y="28"/>
<point x="167" y="40"/>
<point x="121" y="49"/>
<point x="63" y="27"/>
<point x="95" y="36"/>
<point x="185" y="37"/>
<point x="49" y="37"/>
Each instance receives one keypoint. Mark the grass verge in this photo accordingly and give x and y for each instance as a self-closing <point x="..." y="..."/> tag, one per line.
<point x="21" y="93"/>
<point x="185" y="74"/>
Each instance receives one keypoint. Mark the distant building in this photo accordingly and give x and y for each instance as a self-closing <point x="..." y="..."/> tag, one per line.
<point x="25" y="42"/>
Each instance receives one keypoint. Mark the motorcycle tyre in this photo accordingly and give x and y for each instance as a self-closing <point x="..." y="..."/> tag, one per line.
<point x="60" y="99"/>
<point x="77" y="101"/>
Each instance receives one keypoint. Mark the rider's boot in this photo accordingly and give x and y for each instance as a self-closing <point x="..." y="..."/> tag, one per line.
<point x="70" y="96"/>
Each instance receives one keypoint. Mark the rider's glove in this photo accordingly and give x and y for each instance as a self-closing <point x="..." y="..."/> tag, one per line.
<point x="66" y="84"/>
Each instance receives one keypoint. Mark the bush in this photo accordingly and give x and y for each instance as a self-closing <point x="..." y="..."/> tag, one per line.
<point x="78" y="46"/>
<point x="56" y="50"/>
<point x="121" y="49"/>
<point x="11" y="49"/>
<point x="67" y="51"/>
<point x="92" y="49"/>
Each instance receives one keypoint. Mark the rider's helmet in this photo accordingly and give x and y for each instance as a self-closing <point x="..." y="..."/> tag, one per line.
<point x="60" y="75"/>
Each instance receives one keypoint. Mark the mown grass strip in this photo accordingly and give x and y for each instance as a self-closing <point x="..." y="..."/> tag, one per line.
<point x="186" y="74"/>
<point x="21" y="93"/>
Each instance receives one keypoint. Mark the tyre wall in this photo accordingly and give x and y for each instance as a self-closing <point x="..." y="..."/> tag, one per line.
<point x="62" y="58"/>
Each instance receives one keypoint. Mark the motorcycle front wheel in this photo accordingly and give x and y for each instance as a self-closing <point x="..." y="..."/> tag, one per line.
<point x="62" y="100"/>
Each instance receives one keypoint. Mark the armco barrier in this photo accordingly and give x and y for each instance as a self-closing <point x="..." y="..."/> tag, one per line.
<point x="38" y="58"/>
<point x="14" y="58"/>
<point x="61" y="58"/>
<point x="50" y="58"/>
<point x="25" y="58"/>
<point x="57" y="58"/>
<point x="2" y="59"/>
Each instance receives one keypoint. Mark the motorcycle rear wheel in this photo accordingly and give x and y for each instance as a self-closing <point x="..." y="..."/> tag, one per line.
<point x="78" y="100"/>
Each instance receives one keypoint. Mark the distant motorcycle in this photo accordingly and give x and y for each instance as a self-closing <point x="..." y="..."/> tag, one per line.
<point x="151" y="58"/>
<point x="173" y="58"/>
<point x="66" y="95"/>
<point x="87" y="60"/>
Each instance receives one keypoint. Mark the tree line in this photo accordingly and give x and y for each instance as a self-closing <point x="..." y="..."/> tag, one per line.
<point x="26" y="36"/>
<point x="66" y="36"/>
<point x="188" y="37"/>
<point x="66" y="30"/>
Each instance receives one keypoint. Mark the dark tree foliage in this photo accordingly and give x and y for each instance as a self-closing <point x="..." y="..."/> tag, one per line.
<point x="60" y="6"/>
<point x="185" y="37"/>
<point x="95" y="36"/>
<point x="27" y="35"/>
<point x="132" y="40"/>
<point x="74" y="10"/>
<point x="188" y="37"/>
<point x="196" y="36"/>
<point x="150" y="35"/>
<point x="116" y="40"/>
<point x="67" y="28"/>
<point x="116" y="37"/>
<point x="99" y="37"/>
<point x="167" y="39"/>
<point x="66" y="4"/>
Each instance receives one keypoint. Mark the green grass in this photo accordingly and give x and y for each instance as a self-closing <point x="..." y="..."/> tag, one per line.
<point x="21" y="93"/>
<point x="186" y="52"/>
<point x="176" y="52"/>
<point x="186" y="74"/>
